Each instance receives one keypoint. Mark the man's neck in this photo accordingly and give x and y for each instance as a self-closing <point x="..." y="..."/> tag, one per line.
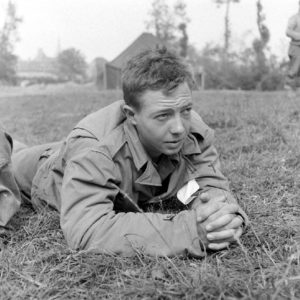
<point x="156" y="159"/>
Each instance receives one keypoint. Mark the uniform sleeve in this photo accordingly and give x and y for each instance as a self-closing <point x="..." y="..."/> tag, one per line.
<point x="88" y="220"/>
<point x="203" y="162"/>
<point x="9" y="192"/>
<point x="290" y="30"/>
<point x="208" y="167"/>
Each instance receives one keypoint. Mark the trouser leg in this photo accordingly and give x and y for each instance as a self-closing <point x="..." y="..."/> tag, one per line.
<point x="294" y="66"/>
<point x="25" y="165"/>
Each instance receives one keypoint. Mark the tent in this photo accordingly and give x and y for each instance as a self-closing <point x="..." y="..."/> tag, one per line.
<point x="112" y="71"/>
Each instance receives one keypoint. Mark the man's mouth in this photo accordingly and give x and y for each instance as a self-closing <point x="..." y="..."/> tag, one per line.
<point x="176" y="142"/>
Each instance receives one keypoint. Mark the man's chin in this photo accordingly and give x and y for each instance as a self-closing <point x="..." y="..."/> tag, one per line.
<point x="173" y="148"/>
<point x="169" y="152"/>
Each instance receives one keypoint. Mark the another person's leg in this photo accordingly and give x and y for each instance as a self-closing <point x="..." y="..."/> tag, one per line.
<point x="10" y="199"/>
<point x="294" y="66"/>
<point x="26" y="162"/>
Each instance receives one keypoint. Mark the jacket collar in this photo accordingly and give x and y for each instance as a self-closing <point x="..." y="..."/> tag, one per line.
<point x="191" y="145"/>
<point x="150" y="175"/>
<point x="140" y="157"/>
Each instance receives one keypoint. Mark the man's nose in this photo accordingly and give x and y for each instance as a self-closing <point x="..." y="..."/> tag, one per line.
<point x="177" y="126"/>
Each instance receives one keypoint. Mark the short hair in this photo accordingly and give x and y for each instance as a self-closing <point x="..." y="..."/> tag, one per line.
<point x="153" y="69"/>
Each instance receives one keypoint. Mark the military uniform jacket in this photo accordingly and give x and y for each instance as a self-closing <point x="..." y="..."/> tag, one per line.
<point x="103" y="182"/>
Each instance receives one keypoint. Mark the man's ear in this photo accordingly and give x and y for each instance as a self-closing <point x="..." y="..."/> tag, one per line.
<point x="130" y="113"/>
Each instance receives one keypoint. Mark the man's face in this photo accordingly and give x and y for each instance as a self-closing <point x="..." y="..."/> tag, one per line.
<point x="163" y="121"/>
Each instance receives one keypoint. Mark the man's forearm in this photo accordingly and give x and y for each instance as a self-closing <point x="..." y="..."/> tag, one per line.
<point x="295" y="35"/>
<point x="125" y="233"/>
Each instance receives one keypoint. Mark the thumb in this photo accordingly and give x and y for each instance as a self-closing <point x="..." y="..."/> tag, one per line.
<point x="204" y="197"/>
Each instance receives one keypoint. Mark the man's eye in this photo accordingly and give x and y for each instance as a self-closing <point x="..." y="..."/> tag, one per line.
<point x="186" y="111"/>
<point x="162" y="117"/>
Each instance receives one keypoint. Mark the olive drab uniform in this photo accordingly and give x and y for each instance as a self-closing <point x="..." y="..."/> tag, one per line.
<point x="108" y="190"/>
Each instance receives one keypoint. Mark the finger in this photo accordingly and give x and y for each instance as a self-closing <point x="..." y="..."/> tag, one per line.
<point x="224" y="210"/>
<point x="238" y="233"/>
<point x="204" y="211"/>
<point x="216" y="246"/>
<point x="234" y="222"/>
<point x="221" y="222"/>
<point x="224" y="243"/>
<point x="206" y="197"/>
<point x="233" y="238"/>
<point x="221" y="235"/>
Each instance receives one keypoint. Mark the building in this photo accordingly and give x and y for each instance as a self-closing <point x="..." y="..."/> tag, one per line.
<point x="107" y="75"/>
<point x="41" y="69"/>
<point x="112" y="69"/>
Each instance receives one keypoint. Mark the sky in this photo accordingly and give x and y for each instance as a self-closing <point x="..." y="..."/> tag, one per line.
<point x="104" y="28"/>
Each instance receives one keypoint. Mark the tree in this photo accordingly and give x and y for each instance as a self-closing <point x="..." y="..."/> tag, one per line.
<point x="71" y="64"/>
<point x="8" y="38"/>
<point x="260" y="44"/>
<point x="161" y="21"/>
<point x="183" y="20"/>
<point x="269" y="74"/>
<point x="169" y="24"/>
<point x="227" y="32"/>
<point x="183" y="42"/>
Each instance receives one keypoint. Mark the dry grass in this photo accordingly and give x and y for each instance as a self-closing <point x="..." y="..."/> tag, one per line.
<point x="258" y="137"/>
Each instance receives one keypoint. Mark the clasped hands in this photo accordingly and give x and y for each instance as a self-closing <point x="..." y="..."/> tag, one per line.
<point x="219" y="219"/>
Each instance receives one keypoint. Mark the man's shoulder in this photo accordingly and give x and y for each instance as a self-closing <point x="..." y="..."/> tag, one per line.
<point x="81" y="143"/>
<point x="199" y="127"/>
<point x="103" y="121"/>
<point x="111" y="144"/>
<point x="99" y="130"/>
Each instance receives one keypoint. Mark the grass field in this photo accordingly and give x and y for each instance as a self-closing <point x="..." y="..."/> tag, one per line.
<point x="258" y="138"/>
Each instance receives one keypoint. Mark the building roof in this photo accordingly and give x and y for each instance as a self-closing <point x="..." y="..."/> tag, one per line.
<point x="144" y="41"/>
<point x="41" y="63"/>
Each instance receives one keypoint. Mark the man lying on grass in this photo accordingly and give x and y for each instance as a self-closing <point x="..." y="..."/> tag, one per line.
<point x="140" y="174"/>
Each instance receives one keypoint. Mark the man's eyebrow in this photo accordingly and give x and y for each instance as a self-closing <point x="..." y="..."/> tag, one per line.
<point x="169" y="109"/>
<point x="188" y="105"/>
<point x="163" y="110"/>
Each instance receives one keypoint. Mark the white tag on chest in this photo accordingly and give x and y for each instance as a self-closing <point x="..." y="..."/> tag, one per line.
<point x="185" y="193"/>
